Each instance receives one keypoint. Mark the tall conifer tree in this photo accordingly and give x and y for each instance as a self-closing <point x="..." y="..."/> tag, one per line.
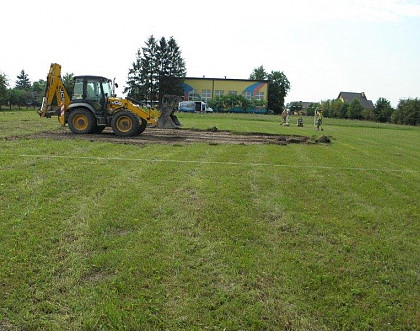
<point x="23" y="82"/>
<point x="159" y="69"/>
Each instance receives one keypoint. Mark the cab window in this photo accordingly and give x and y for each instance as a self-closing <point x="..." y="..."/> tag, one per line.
<point x="106" y="87"/>
<point x="78" y="89"/>
<point x="93" y="90"/>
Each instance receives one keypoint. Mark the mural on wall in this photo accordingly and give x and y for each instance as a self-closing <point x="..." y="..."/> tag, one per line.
<point x="187" y="89"/>
<point x="253" y="89"/>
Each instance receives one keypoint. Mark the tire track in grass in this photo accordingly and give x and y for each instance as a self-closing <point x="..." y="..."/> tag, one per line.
<point x="224" y="163"/>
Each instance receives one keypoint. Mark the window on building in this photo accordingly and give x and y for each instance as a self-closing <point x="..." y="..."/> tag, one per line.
<point x="247" y="95"/>
<point x="206" y="95"/>
<point x="219" y="92"/>
<point x="193" y="95"/>
<point x="233" y="92"/>
<point x="259" y="95"/>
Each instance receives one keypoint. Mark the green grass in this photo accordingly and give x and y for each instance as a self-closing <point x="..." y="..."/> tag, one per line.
<point x="98" y="235"/>
<point x="24" y="123"/>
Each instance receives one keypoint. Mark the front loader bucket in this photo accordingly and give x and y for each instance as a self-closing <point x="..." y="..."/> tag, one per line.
<point x="168" y="120"/>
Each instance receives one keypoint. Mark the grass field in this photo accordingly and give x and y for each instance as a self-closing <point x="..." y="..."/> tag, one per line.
<point x="98" y="235"/>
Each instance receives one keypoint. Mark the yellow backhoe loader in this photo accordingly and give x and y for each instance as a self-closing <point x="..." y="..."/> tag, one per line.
<point x="93" y="107"/>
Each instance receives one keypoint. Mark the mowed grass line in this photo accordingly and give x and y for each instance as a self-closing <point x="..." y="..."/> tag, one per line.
<point x="114" y="243"/>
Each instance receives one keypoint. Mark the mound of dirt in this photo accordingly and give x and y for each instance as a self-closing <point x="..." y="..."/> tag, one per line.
<point x="211" y="136"/>
<point x="323" y="140"/>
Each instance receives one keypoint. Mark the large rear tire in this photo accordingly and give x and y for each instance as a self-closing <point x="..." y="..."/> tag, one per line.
<point x="125" y="124"/>
<point x="142" y="126"/>
<point x="81" y="121"/>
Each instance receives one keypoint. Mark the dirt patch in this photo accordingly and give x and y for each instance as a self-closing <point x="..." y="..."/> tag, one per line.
<point x="211" y="136"/>
<point x="5" y="325"/>
<point x="323" y="140"/>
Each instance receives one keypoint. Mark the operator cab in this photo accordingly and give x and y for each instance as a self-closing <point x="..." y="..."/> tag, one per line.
<point x="93" y="90"/>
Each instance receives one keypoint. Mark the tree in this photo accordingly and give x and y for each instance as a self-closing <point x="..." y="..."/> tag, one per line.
<point x="39" y="86"/>
<point x="310" y="111"/>
<point x="278" y="88"/>
<point x="327" y="108"/>
<point x="368" y="114"/>
<point x="159" y="69"/>
<point x="334" y="108"/>
<point x="23" y="82"/>
<point x="19" y="97"/>
<point x="171" y="68"/>
<point x="344" y="110"/>
<point x="3" y="89"/>
<point x="383" y="110"/>
<point x="355" y="110"/>
<point x="68" y="83"/>
<point x="407" y="112"/>
<point x="136" y="88"/>
<point x="295" y="106"/>
<point x="258" y="74"/>
<point x="38" y="90"/>
<point x="339" y="108"/>
<point x="150" y="68"/>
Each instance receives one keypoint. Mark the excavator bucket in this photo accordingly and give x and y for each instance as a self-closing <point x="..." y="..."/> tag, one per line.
<point x="167" y="119"/>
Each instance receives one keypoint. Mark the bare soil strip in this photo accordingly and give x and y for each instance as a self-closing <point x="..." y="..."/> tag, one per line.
<point x="178" y="136"/>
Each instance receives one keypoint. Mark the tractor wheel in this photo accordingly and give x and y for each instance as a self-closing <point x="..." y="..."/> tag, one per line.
<point x="142" y="126"/>
<point x="125" y="124"/>
<point x="81" y="121"/>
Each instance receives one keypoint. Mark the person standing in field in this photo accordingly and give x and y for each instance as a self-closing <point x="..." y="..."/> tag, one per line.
<point x="319" y="120"/>
<point x="284" y="116"/>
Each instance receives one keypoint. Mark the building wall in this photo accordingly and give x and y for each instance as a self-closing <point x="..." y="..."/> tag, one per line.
<point x="208" y="88"/>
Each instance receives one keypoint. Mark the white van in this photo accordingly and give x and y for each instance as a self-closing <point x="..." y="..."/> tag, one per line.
<point x="194" y="106"/>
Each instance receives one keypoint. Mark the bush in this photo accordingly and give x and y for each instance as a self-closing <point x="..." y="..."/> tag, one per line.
<point x="368" y="114"/>
<point x="237" y="103"/>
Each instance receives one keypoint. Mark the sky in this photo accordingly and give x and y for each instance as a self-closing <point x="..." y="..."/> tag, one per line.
<point x="323" y="47"/>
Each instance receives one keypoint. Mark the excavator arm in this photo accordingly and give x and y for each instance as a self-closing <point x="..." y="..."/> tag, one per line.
<point x="56" y="99"/>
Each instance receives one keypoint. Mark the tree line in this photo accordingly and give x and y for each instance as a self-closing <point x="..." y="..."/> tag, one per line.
<point x="26" y="93"/>
<point x="407" y="111"/>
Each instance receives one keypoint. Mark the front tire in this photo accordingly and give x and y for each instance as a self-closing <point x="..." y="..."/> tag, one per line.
<point x="125" y="124"/>
<point x="81" y="121"/>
